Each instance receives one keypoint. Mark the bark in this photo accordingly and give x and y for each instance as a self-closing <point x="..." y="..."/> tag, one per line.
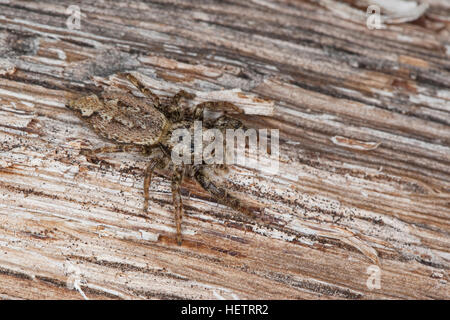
<point x="363" y="188"/>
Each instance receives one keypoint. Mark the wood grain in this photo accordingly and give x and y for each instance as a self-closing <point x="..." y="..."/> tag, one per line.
<point x="364" y="179"/>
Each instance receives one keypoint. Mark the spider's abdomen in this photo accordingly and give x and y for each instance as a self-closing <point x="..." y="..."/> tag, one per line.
<point x="123" y="118"/>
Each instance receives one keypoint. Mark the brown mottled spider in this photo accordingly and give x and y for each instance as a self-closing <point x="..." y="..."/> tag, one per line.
<point x="146" y="125"/>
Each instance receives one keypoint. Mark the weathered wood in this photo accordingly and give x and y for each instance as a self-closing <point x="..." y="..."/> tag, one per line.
<point x="364" y="176"/>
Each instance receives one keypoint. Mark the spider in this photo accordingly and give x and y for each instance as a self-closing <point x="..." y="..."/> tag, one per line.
<point x="146" y="125"/>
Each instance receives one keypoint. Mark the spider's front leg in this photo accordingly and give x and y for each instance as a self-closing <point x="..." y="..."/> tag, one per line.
<point x="174" y="109"/>
<point x="177" y="178"/>
<point x="224" y="122"/>
<point x="221" y="194"/>
<point x="146" y="91"/>
<point x="224" y="106"/>
<point x="170" y="108"/>
<point x="175" y="100"/>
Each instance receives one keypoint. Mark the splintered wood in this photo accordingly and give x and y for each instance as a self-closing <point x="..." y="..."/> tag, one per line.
<point x="360" y="207"/>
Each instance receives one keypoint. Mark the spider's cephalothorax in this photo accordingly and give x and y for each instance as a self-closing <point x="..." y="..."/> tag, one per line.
<point x="146" y="124"/>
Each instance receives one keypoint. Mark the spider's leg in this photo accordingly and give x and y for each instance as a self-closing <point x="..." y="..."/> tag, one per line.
<point x="177" y="178"/>
<point x="146" y="91"/>
<point x="220" y="194"/>
<point x="215" y="106"/>
<point x="174" y="109"/>
<point x="90" y="153"/>
<point x="224" y="122"/>
<point x="169" y="108"/>
<point x="148" y="178"/>
<point x="181" y="94"/>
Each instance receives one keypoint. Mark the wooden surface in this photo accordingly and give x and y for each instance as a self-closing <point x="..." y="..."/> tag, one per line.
<point x="364" y="177"/>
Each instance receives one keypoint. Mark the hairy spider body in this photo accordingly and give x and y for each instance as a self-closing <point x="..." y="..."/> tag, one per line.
<point x="146" y="125"/>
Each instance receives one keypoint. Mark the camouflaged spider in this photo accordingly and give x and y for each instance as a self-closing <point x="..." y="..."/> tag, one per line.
<point x="146" y="124"/>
